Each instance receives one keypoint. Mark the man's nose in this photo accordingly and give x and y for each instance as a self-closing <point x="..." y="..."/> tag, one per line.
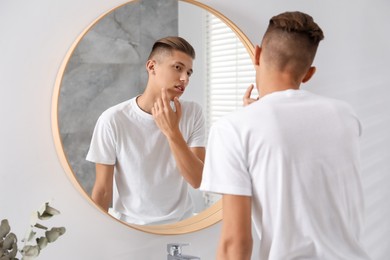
<point x="185" y="78"/>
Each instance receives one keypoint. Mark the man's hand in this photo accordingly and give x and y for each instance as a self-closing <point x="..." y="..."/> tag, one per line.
<point x="188" y="160"/>
<point x="247" y="100"/>
<point x="164" y="116"/>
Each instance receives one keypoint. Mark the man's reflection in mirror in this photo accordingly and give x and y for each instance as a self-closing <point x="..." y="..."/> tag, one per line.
<point x="148" y="149"/>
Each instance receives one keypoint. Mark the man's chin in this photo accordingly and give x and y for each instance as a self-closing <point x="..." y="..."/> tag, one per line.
<point x="172" y="94"/>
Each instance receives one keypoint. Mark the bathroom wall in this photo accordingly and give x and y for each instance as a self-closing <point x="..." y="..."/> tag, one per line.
<point x="352" y="65"/>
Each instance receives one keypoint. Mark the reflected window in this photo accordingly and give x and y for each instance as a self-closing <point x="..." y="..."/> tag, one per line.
<point x="229" y="73"/>
<point x="230" y="69"/>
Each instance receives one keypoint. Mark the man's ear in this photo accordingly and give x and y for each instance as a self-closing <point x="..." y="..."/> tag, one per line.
<point x="309" y="74"/>
<point x="256" y="58"/>
<point x="150" y="66"/>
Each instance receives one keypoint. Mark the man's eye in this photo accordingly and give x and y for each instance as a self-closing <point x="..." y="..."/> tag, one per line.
<point x="177" y="67"/>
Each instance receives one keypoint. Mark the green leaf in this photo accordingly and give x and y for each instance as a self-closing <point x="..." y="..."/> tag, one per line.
<point x="4" y="228"/>
<point x="37" y="225"/>
<point x="30" y="235"/>
<point x="54" y="233"/>
<point x="42" y="242"/>
<point x="47" y="212"/>
<point x="14" y="251"/>
<point x="29" y="250"/>
<point x="9" y="241"/>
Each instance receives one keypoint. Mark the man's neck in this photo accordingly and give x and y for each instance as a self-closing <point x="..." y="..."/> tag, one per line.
<point x="274" y="82"/>
<point x="147" y="99"/>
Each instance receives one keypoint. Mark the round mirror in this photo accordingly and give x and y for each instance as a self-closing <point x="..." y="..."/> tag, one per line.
<point x="109" y="57"/>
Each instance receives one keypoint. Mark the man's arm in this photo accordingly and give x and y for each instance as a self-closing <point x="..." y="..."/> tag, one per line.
<point x="102" y="189"/>
<point x="189" y="160"/>
<point x="236" y="238"/>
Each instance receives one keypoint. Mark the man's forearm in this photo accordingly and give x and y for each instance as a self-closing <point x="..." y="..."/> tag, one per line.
<point x="102" y="189"/>
<point x="101" y="198"/>
<point x="234" y="250"/>
<point x="236" y="239"/>
<point x="190" y="165"/>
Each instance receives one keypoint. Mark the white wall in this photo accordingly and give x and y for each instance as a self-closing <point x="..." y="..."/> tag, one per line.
<point x="35" y="35"/>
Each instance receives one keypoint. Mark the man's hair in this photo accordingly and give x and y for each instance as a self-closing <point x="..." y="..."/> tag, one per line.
<point x="291" y="41"/>
<point x="172" y="43"/>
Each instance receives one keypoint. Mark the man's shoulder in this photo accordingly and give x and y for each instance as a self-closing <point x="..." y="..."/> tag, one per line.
<point x="190" y="108"/>
<point x="335" y="102"/>
<point x="118" y="107"/>
<point x="232" y="120"/>
<point x="189" y="104"/>
<point x="115" y="110"/>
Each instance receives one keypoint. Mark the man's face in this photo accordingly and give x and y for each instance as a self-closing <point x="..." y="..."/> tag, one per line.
<point x="173" y="73"/>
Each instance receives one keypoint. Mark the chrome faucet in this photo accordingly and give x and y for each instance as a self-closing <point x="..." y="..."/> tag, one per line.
<point x="174" y="252"/>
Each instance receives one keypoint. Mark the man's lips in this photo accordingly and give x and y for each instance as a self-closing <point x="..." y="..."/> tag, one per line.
<point x="180" y="88"/>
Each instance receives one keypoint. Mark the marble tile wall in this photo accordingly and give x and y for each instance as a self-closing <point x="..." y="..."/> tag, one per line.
<point x="106" y="68"/>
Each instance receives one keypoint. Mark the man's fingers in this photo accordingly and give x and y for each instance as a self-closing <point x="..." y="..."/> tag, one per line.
<point x="152" y="110"/>
<point x="164" y="97"/>
<point x="159" y="104"/>
<point x="248" y="91"/>
<point x="177" y="106"/>
<point x="247" y="96"/>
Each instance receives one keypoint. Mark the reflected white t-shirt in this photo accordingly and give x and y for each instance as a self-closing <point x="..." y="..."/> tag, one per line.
<point x="297" y="155"/>
<point x="148" y="188"/>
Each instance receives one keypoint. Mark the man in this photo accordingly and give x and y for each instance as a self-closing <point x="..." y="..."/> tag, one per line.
<point x="289" y="159"/>
<point x="148" y="149"/>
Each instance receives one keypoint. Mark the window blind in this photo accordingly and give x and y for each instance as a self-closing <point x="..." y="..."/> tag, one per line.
<point x="229" y="69"/>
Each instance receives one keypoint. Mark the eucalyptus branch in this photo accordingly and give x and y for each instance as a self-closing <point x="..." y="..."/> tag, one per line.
<point x="32" y="246"/>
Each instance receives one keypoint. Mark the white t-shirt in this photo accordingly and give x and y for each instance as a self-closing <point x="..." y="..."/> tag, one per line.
<point x="148" y="188"/>
<point x="297" y="155"/>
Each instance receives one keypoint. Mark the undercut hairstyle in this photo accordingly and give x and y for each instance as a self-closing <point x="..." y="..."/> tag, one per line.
<point x="172" y="43"/>
<point x="291" y="41"/>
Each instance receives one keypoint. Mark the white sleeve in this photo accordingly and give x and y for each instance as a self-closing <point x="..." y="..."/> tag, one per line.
<point x="198" y="135"/>
<point x="102" y="149"/>
<point x="225" y="170"/>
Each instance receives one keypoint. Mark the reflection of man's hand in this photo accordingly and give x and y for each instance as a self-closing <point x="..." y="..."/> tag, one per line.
<point x="247" y="100"/>
<point x="164" y="116"/>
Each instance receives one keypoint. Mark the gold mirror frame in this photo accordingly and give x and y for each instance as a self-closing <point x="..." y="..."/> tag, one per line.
<point x="205" y="218"/>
